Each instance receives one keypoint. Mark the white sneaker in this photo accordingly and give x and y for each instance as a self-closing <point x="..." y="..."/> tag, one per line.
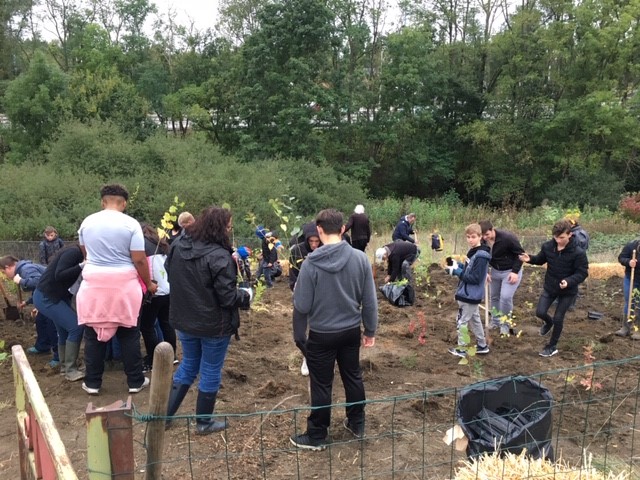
<point x="141" y="387"/>
<point x="304" y="370"/>
<point x="89" y="390"/>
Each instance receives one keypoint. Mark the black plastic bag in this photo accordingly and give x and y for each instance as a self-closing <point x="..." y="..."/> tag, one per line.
<point x="399" y="295"/>
<point x="507" y="415"/>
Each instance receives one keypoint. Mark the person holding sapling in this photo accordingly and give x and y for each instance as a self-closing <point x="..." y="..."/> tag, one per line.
<point x="567" y="267"/>
<point x="629" y="259"/>
<point x="470" y="291"/>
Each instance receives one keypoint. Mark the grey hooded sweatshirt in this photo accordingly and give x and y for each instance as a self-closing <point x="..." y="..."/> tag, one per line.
<point x="335" y="290"/>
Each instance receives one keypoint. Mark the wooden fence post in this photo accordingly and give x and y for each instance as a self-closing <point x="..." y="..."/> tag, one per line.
<point x="161" y="379"/>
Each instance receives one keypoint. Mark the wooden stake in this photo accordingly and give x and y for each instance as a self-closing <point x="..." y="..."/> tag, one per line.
<point x="633" y="271"/>
<point x="486" y="304"/>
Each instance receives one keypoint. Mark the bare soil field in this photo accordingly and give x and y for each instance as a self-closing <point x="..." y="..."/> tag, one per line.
<point x="262" y="374"/>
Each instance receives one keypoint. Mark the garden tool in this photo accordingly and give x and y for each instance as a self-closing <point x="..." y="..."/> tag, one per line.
<point x="11" y="312"/>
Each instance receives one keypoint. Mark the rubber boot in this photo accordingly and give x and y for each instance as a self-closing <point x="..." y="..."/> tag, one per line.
<point x="71" y="351"/>
<point x="178" y="392"/>
<point x="61" y="353"/>
<point x="625" y="329"/>
<point x="635" y="333"/>
<point x="204" y="406"/>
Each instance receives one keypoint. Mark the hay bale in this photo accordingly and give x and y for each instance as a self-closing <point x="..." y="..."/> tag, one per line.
<point x="511" y="466"/>
<point x="603" y="271"/>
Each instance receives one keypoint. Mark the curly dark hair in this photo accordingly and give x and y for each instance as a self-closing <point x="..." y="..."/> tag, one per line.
<point x="212" y="226"/>
<point x="114" y="190"/>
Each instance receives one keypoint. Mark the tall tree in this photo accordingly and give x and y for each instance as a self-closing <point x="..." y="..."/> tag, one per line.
<point x="36" y="104"/>
<point x="282" y="87"/>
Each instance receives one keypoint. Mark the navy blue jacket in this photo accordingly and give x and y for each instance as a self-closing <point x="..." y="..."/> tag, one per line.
<point x="474" y="275"/>
<point x="568" y="264"/>
<point x="403" y="230"/>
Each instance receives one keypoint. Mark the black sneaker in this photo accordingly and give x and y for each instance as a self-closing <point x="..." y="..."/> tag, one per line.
<point x="356" y="432"/>
<point x="545" y="328"/>
<point x="482" y="350"/>
<point x="548" y="351"/>
<point x="304" y="441"/>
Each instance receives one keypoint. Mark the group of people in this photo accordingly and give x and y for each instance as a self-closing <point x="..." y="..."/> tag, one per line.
<point x="191" y="289"/>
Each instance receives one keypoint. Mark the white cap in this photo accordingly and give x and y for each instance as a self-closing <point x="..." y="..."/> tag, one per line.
<point x="380" y="253"/>
<point x="358" y="209"/>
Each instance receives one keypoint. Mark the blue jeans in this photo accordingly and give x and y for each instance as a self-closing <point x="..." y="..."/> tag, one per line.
<point x="63" y="316"/>
<point x="268" y="273"/>
<point x="544" y="303"/>
<point x="634" y="301"/>
<point x="204" y="356"/>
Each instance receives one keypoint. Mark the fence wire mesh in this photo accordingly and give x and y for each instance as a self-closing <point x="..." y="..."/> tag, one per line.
<point x="594" y="410"/>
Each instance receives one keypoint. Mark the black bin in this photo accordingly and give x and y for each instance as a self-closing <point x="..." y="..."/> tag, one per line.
<point x="508" y="414"/>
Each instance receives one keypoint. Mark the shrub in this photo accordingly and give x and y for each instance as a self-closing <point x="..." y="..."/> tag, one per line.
<point x="630" y="206"/>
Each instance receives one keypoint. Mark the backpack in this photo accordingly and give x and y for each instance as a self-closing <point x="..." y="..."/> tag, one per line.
<point x="581" y="237"/>
<point x="437" y="242"/>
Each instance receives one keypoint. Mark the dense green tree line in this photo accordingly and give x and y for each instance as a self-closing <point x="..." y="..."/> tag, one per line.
<point x="539" y="103"/>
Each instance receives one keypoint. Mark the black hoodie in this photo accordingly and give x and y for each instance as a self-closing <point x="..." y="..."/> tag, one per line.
<point x="300" y="251"/>
<point x="204" y="294"/>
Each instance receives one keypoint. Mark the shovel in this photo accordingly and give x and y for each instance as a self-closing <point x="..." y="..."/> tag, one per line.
<point x="11" y="312"/>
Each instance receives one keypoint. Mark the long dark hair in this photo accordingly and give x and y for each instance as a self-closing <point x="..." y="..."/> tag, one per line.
<point x="212" y="226"/>
<point x="151" y="234"/>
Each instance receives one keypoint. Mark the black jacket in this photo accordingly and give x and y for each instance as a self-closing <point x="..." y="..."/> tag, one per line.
<point x="399" y="252"/>
<point x="359" y="225"/>
<point x="625" y="257"/>
<point x="569" y="264"/>
<point x="61" y="274"/>
<point x="269" y="252"/>
<point x="204" y="294"/>
<point x="505" y="251"/>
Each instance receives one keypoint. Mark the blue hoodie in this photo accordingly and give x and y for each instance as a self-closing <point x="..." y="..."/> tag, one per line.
<point x="473" y="276"/>
<point x="30" y="274"/>
<point x="335" y="290"/>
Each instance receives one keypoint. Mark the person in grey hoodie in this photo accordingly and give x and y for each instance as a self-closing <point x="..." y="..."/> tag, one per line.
<point x="335" y="293"/>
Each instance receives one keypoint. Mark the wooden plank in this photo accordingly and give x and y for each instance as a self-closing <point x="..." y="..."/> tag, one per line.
<point x="29" y="397"/>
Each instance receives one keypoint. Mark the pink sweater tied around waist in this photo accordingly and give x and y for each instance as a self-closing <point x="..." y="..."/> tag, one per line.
<point x="108" y="298"/>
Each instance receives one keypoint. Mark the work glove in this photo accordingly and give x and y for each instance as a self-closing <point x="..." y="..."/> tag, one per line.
<point x="17" y="279"/>
<point x="249" y="290"/>
<point x="454" y="269"/>
<point x="245" y="303"/>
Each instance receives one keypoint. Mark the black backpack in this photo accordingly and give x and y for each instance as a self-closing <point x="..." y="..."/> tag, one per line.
<point x="437" y="242"/>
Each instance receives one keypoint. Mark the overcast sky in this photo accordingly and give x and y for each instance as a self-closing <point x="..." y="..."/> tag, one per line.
<point x="204" y="13"/>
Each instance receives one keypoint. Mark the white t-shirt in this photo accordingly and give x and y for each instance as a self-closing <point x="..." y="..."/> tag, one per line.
<point x="109" y="237"/>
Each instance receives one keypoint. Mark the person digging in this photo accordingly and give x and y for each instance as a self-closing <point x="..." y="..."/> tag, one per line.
<point x="629" y="259"/>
